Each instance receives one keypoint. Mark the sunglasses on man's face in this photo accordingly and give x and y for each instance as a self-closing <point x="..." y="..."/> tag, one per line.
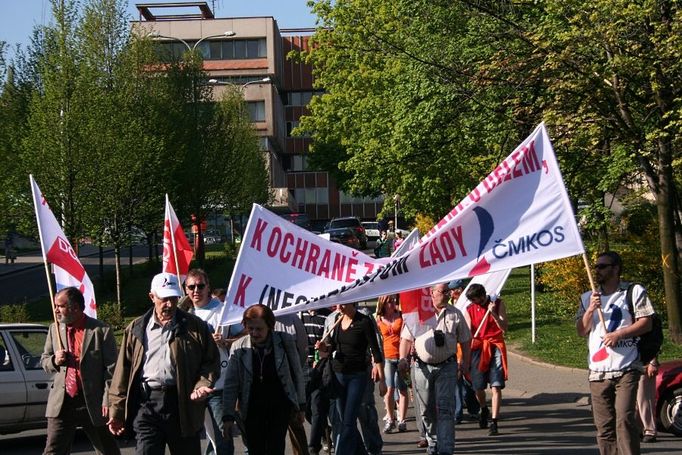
<point x="200" y="286"/>
<point x="602" y="266"/>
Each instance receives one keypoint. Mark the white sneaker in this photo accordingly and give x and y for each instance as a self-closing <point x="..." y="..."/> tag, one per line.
<point x="390" y="426"/>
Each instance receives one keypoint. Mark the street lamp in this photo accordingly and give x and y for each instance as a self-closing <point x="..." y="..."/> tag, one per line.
<point x="265" y="80"/>
<point x="157" y="35"/>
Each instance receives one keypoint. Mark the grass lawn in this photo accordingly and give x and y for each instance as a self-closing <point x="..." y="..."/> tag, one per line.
<point x="556" y="340"/>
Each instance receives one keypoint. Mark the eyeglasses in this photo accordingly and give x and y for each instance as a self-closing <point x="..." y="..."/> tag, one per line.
<point x="602" y="266"/>
<point x="200" y="286"/>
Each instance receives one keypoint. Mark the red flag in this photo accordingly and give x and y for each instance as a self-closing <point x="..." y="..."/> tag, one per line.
<point x="417" y="301"/>
<point x="177" y="252"/>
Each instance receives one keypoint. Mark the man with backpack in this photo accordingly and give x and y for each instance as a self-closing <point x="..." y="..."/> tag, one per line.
<point x="613" y="318"/>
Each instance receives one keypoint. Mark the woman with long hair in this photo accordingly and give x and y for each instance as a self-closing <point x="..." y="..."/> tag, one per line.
<point x="265" y="378"/>
<point x="353" y="334"/>
<point x="390" y="323"/>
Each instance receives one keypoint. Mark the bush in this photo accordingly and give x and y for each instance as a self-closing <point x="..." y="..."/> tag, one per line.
<point x="14" y="313"/>
<point x="109" y="312"/>
<point x="567" y="279"/>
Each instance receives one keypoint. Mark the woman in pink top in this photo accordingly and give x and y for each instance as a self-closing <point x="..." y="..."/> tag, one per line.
<point x="390" y="322"/>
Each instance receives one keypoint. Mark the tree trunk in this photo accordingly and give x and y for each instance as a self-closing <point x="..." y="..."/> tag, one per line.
<point x="669" y="254"/>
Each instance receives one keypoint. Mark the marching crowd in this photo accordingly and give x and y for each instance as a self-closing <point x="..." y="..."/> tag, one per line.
<point x="177" y="373"/>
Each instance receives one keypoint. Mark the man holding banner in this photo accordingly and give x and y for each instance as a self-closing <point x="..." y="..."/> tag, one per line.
<point x="435" y="367"/>
<point x="488" y="318"/>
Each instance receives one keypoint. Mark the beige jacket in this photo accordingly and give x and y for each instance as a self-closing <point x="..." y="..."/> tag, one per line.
<point x="195" y="356"/>
<point x="98" y="358"/>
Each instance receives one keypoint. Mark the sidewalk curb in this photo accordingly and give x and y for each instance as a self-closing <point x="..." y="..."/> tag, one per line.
<point x="546" y="365"/>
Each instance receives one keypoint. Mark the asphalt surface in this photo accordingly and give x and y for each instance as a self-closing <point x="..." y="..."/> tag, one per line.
<point x="25" y="281"/>
<point x="545" y="410"/>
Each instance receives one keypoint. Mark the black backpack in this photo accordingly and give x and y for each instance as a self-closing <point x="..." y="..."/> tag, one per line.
<point x="649" y="344"/>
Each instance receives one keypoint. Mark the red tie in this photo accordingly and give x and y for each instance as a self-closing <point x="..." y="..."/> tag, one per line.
<point x="71" y="382"/>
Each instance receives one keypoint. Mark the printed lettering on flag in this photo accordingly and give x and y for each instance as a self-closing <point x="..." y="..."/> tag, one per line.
<point x="57" y="250"/>
<point x="518" y="215"/>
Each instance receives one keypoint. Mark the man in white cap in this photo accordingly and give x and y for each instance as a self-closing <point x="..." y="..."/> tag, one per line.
<point x="167" y="365"/>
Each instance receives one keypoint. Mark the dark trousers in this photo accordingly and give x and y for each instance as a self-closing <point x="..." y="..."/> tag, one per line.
<point x="157" y="424"/>
<point x="61" y="430"/>
<point x="266" y="429"/>
<point x="319" y="411"/>
<point x="297" y="436"/>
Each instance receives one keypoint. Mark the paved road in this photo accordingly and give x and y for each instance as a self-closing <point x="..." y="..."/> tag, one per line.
<point x="545" y="411"/>
<point x="25" y="279"/>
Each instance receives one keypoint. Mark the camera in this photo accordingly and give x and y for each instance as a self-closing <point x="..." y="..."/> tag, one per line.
<point x="439" y="338"/>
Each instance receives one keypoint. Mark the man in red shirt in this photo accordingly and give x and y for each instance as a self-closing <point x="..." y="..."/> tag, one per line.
<point x="82" y="365"/>
<point x="488" y="322"/>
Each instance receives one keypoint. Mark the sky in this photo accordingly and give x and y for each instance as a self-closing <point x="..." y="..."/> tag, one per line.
<point x="19" y="17"/>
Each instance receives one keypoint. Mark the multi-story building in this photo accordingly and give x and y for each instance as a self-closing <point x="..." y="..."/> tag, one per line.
<point x="251" y="52"/>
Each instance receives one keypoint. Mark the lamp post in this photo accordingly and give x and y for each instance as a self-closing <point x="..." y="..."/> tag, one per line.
<point x="197" y="221"/>
<point x="265" y="80"/>
<point x="192" y="48"/>
<point x="396" y="208"/>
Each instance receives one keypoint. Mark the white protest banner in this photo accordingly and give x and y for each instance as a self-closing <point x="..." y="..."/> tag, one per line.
<point x="281" y="264"/>
<point x="518" y="215"/>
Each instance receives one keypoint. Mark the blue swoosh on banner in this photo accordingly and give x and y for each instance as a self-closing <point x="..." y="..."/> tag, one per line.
<point x="487" y="225"/>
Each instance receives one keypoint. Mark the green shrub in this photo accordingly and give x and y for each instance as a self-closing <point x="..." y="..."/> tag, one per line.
<point x="109" y="312"/>
<point x="14" y="313"/>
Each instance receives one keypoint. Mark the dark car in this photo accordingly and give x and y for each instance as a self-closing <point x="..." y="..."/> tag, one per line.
<point x="353" y="223"/>
<point x="669" y="396"/>
<point x="345" y="236"/>
<point x="299" y="219"/>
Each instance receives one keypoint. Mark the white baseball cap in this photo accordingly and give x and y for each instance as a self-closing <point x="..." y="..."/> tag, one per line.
<point x="165" y="285"/>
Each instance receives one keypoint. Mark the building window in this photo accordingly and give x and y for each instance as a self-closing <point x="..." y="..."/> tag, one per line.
<point x="256" y="111"/>
<point x="263" y="143"/>
<point x="301" y="98"/>
<point x="290" y="127"/>
<point x="231" y="49"/>
<point x="322" y="195"/>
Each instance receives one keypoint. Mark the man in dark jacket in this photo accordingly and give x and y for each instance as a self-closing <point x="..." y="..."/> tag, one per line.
<point x="166" y="369"/>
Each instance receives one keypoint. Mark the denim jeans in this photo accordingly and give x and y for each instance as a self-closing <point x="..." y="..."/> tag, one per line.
<point x="434" y="389"/>
<point x="369" y="420"/>
<point x="465" y="396"/>
<point x="352" y="390"/>
<point x="214" y="406"/>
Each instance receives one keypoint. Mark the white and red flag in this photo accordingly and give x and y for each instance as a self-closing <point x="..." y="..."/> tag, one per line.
<point x="57" y="250"/>
<point x="177" y="252"/>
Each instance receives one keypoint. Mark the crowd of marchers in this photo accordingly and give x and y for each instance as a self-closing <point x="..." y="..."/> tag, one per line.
<point x="178" y="375"/>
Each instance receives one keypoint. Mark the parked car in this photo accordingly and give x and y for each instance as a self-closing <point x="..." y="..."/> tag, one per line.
<point x="669" y="396"/>
<point x="24" y="384"/>
<point x="299" y="219"/>
<point x="212" y="237"/>
<point x="372" y="232"/>
<point x="345" y="236"/>
<point x="353" y="223"/>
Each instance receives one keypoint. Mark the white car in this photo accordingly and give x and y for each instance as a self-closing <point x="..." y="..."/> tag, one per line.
<point x="23" y="382"/>
<point x="372" y="232"/>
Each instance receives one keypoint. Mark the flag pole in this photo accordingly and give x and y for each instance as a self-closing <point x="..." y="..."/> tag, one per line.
<point x="331" y="329"/>
<point x="594" y="289"/>
<point x="175" y="251"/>
<point x="47" y="267"/>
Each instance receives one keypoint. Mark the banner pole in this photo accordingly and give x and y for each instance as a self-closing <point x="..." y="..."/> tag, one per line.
<point x="331" y="329"/>
<point x="532" y="303"/>
<point x="594" y="289"/>
<point x="480" y="326"/>
<point x="47" y="267"/>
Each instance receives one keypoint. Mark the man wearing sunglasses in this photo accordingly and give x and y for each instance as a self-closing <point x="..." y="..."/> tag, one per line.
<point x="209" y="309"/>
<point x="615" y="367"/>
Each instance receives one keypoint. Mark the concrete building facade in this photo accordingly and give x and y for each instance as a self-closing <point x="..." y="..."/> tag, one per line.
<point x="251" y="52"/>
